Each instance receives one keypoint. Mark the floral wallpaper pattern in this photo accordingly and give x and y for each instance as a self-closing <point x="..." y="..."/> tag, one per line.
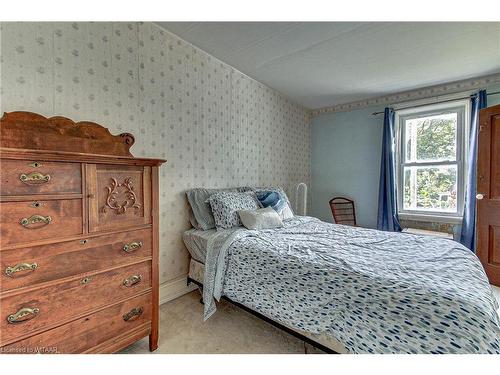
<point x="216" y="126"/>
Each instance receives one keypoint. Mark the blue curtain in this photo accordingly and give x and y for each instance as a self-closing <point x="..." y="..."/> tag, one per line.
<point x="468" y="234"/>
<point x="387" y="208"/>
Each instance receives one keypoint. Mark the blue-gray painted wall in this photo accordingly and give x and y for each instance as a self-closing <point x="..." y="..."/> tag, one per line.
<point x="345" y="161"/>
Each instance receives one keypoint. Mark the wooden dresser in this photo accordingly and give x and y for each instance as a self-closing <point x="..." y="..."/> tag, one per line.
<point x="78" y="238"/>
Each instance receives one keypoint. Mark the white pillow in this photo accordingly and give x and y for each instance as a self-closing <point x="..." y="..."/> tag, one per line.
<point x="286" y="213"/>
<point x="263" y="218"/>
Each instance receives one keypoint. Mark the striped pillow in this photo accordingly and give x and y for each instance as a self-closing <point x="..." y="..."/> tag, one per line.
<point x="277" y="200"/>
<point x="270" y="198"/>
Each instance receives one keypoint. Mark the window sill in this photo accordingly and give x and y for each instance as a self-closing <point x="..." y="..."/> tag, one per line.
<point x="431" y="218"/>
<point x="428" y="233"/>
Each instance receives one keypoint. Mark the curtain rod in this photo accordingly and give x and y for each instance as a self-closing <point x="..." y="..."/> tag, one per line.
<point x="441" y="101"/>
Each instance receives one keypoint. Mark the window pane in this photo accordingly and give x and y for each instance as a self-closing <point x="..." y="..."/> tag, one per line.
<point x="430" y="188"/>
<point x="431" y="138"/>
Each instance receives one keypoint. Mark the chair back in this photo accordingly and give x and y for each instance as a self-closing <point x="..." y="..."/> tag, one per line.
<point x="343" y="211"/>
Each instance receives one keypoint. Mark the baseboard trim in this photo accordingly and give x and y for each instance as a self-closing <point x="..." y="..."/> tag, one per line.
<point x="175" y="288"/>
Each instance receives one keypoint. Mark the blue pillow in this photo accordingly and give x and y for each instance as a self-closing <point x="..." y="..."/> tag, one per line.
<point x="271" y="198"/>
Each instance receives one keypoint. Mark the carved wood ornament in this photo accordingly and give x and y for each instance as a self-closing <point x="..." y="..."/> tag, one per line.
<point x="27" y="130"/>
<point x="117" y="190"/>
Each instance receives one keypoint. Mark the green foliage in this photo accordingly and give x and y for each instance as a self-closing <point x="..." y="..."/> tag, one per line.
<point x="436" y="140"/>
<point x="436" y="186"/>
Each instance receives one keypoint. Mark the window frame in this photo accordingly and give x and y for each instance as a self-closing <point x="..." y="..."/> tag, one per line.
<point x="462" y="108"/>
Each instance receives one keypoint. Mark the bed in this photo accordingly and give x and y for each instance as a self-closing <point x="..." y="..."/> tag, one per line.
<point x="196" y="241"/>
<point x="350" y="289"/>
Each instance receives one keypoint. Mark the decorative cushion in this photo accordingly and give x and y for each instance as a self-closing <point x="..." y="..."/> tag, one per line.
<point x="270" y="198"/>
<point x="279" y="189"/>
<point x="263" y="218"/>
<point x="225" y="207"/>
<point x="198" y="200"/>
<point x="277" y="199"/>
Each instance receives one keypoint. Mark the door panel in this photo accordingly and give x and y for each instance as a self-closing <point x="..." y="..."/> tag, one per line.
<point x="488" y="189"/>
<point x="119" y="196"/>
<point x="494" y="256"/>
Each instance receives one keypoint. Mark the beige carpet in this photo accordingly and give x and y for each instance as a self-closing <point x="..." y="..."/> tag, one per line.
<point x="230" y="330"/>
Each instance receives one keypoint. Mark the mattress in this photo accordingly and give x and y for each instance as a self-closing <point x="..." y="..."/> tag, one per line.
<point x="196" y="242"/>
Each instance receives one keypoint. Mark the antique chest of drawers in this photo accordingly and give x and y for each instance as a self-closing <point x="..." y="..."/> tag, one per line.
<point x="78" y="238"/>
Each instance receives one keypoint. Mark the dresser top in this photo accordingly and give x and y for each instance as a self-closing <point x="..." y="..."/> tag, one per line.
<point x="60" y="138"/>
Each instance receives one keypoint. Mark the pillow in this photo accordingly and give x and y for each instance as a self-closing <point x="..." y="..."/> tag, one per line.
<point x="277" y="200"/>
<point x="202" y="212"/>
<point x="225" y="207"/>
<point x="273" y="188"/>
<point x="263" y="218"/>
<point x="287" y="213"/>
<point x="270" y="198"/>
<point x="192" y="219"/>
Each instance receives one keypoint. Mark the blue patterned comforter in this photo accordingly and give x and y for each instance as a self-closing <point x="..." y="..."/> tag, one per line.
<point x="373" y="291"/>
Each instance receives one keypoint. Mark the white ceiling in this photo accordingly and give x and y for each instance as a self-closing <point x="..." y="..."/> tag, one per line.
<point x="330" y="63"/>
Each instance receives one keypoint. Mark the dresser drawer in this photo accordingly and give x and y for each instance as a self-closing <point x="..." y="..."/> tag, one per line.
<point x="38" y="264"/>
<point x="28" y="221"/>
<point x="28" y="177"/>
<point x="25" y="313"/>
<point x="90" y="331"/>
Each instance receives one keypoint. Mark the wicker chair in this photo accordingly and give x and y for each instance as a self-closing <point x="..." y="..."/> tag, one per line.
<point x="343" y="211"/>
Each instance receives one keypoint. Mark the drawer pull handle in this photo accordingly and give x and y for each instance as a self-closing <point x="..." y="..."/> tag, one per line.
<point x="35" y="219"/>
<point x="26" y="313"/>
<point x="133" y="314"/>
<point x="34" y="178"/>
<point x="130" y="247"/>
<point x="132" y="280"/>
<point x="10" y="271"/>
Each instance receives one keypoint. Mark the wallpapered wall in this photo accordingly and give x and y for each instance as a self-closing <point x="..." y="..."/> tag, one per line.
<point x="216" y="127"/>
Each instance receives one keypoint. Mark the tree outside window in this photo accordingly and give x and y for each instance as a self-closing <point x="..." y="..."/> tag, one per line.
<point x="431" y="170"/>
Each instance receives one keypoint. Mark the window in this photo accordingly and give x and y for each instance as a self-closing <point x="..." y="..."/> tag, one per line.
<point x="431" y="167"/>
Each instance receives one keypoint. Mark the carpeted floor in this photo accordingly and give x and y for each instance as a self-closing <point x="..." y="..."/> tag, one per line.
<point x="230" y="330"/>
